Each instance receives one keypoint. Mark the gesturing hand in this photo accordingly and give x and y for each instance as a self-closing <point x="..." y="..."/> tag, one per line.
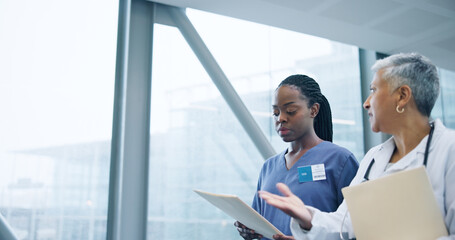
<point x="290" y="204"/>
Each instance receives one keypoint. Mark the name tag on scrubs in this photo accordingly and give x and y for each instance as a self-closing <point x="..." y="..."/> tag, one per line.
<point x="311" y="173"/>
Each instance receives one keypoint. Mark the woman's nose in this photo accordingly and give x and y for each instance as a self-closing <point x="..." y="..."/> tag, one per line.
<point x="366" y="104"/>
<point x="280" y="118"/>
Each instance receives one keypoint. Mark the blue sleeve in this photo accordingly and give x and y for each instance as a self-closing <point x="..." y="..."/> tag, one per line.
<point x="256" y="205"/>
<point x="348" y="172"/>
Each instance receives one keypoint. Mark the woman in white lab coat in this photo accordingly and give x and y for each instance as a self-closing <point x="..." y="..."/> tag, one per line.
<point x="403" y="92"/>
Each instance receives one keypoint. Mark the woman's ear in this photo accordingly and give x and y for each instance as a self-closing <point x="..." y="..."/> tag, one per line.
<point x="314" y="110"/>
<point x="405" y="95"/>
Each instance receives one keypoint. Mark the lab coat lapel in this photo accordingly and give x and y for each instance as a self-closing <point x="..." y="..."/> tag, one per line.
<point x="412" y="160"/>
<point x="381" y="158"/>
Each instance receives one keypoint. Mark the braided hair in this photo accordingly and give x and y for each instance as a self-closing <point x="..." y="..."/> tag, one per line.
<point x="310" y="91"/>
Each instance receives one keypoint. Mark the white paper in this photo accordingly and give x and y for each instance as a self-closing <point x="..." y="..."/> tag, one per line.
<point x="240" y="211"/>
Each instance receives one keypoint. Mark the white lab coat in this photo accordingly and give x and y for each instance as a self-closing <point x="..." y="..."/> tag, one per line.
<point x="440" y="169"/>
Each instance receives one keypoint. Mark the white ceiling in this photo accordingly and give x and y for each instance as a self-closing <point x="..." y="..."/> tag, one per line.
<point x="386" y="26"/>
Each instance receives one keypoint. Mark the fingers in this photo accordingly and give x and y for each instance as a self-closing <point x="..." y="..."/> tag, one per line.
<point x="284" y="189"/>
<point x="266" y="195"/>
<point x="270" y="196"/>
<point x="246" y="232"/>
<point x="274" y="200"/>
<point x="238" y="224"/>
<point x="248" y="235"/>
<point x="282" y="237"/>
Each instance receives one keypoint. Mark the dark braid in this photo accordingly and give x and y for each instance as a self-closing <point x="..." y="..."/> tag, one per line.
<point x="310" y="91"/>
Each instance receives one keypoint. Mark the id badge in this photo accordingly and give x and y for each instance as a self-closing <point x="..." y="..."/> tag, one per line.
<point x="311" y="173"/>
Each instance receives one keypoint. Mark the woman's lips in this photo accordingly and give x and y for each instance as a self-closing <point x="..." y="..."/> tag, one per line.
<point x="283" y="131"/>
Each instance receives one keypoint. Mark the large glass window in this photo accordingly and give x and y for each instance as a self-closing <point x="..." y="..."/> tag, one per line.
<point x="57" y="67"/>
<point x="197" y="142"/>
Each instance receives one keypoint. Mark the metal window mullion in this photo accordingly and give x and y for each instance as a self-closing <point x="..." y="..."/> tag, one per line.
<point x="128" y="183"/>
<point x="366" y="59"/>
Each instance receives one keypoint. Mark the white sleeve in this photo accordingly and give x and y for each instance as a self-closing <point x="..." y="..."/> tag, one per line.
<point x="325" y="225"/>
<point x="450" y="195"/>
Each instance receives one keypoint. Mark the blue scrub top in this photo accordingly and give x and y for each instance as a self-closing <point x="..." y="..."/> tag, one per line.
<point x="340" y="168"/>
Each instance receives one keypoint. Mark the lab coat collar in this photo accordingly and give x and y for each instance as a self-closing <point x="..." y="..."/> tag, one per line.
<point x="382" y="156"/>
<point x="413" y="158"/>
<point x="439" y="130"/>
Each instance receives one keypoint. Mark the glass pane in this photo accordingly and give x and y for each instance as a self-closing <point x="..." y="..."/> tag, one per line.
<point x="445" y="106"/>
<point x="448" y="96"/>
<point x="197" y="142"/>
<point x="437" y="111"/>
<point x="57" y="67"/>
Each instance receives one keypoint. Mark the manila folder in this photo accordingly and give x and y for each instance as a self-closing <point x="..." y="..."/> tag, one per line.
<point x="239" y="210"/>
<point x="399" y="206"/>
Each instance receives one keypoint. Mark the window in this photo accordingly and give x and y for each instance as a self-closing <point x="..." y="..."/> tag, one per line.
<point x="57" y="67"/>
<point x="445" y="105"/>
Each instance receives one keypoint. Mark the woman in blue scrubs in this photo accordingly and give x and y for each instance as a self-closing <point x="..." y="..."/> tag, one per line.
<point x="312" y="166"/>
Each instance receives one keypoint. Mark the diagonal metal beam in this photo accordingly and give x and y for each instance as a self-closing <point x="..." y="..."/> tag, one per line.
<point x="221" y="81"/>
<point x="6" y="233"/>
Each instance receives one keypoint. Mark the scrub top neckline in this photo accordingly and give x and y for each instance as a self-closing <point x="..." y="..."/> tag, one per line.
<point x="300" y="159"/>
